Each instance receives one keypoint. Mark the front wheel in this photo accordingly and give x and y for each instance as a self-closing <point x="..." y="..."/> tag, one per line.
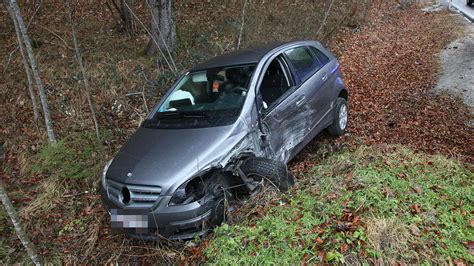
<point x="340" y="120"/>
<point x="273" y="172"/>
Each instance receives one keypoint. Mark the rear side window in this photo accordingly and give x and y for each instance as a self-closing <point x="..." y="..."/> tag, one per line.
<point x="320" y="55"/>
<point x="303" y="62"/>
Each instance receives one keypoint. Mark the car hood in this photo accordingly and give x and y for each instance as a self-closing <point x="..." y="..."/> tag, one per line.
<point x="169" y="157"/>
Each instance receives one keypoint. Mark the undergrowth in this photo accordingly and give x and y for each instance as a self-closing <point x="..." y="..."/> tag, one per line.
<point x="376" y="205"/>
<point x="74" y="157"/>
<point x="72" y="166"/>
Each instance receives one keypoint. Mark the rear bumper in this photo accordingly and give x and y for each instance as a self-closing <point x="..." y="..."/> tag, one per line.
<point x="163" y="221"/>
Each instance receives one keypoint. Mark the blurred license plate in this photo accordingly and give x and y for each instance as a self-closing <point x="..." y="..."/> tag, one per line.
<point x="128" y="218"/>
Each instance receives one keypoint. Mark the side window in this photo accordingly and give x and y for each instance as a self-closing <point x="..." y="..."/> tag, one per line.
<point x="303" y="62"/>
<point x="274" y="83"/>
<point x="320" y="55"/>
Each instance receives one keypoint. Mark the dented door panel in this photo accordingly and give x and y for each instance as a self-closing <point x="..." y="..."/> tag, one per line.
<point x="286" y="125"/>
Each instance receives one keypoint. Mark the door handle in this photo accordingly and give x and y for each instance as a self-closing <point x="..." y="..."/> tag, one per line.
<point x="325" y="76"/>
<point x="301" y="101"/>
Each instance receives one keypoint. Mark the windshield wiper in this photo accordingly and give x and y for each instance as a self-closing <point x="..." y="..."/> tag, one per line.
<point x="189" y="114"/>
<point x="150" y="123"/>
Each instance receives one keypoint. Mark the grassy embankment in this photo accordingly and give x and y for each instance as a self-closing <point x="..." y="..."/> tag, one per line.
<point x="371" y="205"/>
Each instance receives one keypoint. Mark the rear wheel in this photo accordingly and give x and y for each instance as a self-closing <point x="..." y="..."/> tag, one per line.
<point x="341" y="118"/>
<point x="270" y="171"/>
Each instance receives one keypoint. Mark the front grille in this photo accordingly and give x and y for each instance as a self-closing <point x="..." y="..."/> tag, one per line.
<point x="140" y="196"/>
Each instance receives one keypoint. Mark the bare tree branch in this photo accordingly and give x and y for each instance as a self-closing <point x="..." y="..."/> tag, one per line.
<point x="57" y="36"/>
<point x="27" y="27"/>
<point x="30" y="248"/>
<point x="242" y="25"/>
<point x="127" y="18"/>
<point x="326" y="15"/>
<point x="34" y="68"/>
<point x="172" y="67"/>
<point x="117" y="21"/>
<point x="25" y="65"/>
<point x="83" y="70"/>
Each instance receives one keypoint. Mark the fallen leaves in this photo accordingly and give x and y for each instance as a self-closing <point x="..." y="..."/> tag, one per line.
<point x="470" y="246"/>
<point x="332" y="196"/>
<point x="417" y="189"/>
<point x="319" y="241"/>
<point x="390" y="70"/>
<point x="414" y="230"/>
<point x="415" y="209"/>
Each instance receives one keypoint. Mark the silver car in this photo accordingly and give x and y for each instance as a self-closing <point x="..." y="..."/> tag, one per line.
<point x="224" y="130"/>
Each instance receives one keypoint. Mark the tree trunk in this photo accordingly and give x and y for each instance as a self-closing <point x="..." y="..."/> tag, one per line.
<point x="326" y="16"/>
<point x="34" y="68"/>
<point x="25" y="64"/>
<point x="30" y="249"/>
<point x="163" y="27"/>
<point x="83" y="70"/>
<point x="126" y="15"/>
<point x="242" y="23"/>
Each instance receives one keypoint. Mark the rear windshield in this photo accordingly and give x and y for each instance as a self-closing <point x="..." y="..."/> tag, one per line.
<point x="212" y="97"/>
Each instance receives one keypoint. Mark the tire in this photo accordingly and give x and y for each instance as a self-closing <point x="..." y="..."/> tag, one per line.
<point x="469" y="2"/>
<point x="274" y="171"/>
<point x="336" y="128"/>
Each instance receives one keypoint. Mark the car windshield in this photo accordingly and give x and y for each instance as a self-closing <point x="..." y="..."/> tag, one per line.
<point x="205" y="98"/>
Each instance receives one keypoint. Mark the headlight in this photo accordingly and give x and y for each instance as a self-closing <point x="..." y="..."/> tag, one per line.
<point x="190" y="191"/>
<point x="104" y="173"/>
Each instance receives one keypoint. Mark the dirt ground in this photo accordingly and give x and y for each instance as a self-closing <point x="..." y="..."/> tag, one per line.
<point x="457" y="67"/>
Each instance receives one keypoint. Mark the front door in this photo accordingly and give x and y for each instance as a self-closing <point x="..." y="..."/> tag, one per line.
<point x="284" y="113"/>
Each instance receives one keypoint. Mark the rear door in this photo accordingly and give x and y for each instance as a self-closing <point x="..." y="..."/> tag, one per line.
<point x="311" y="78"/>
<point x="325" y="78"/>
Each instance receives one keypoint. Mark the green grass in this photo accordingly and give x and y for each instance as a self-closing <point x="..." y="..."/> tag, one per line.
<point x="372" y="205"/>
<point x="73" y="165"/>
<point x="74" y="157"/>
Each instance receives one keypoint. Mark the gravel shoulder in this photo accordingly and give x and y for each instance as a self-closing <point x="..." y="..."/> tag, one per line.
<point x="457" y="68"/>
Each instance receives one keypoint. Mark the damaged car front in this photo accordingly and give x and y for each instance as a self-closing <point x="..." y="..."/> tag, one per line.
<point x="171" y="177"/>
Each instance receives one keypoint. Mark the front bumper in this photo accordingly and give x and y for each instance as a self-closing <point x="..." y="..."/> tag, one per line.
<point x="171" y="222"/>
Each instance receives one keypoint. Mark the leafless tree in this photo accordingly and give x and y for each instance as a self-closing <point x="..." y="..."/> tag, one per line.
<point x="25" y="64"/>
<point x="168" y="58"/>
<point x="126" y="21"/>
<point x="242" y="24"/>
<point x="163" y="26"/>
<point x="83" y="70"/>
<point x="27" y="26"/>
<point x="30" y="248"/>
<point x="325" y="18"/>
<point x="34" y="67"/>
<point x="126" y="15"/>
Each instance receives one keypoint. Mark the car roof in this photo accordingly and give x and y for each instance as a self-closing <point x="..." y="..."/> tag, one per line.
<point x="241" y="57"/>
